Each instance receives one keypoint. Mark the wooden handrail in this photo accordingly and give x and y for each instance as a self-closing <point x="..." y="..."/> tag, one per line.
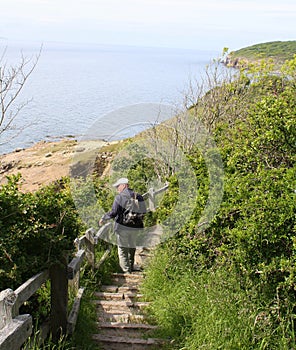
<point x="15" y="329"/>
<point x="26" y="290"/>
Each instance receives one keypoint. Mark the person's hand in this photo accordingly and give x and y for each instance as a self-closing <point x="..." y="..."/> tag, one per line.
<point x="101" y="222"/>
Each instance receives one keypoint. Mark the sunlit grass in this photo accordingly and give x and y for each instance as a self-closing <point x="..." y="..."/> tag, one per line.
<point x="208" y="309"/>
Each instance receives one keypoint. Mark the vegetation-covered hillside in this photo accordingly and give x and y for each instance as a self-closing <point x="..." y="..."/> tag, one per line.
<point x="279" y="51"/>
<point x="231" y="284"/>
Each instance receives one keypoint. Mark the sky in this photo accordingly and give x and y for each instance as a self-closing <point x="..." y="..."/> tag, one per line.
<point x="192" y="24"/>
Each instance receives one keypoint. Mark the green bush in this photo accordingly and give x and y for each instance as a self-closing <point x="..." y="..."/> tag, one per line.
<point x="37" y="229"/>
<point x="232" y="285"/>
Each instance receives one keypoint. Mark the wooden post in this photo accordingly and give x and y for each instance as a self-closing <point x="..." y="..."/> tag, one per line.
<point x="151" y="199"/>
<point x="90" y="247"/>
<point x="7" y="300"/>
<point x="14" y="331"/>
<point x="59" y="299"/>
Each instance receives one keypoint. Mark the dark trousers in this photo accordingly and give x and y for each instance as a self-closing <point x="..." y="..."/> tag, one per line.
<point x="126" y="241"/>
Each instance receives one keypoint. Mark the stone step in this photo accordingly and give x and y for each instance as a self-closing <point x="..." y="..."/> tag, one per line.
<point x="127" y="278"/>
<point x="122" y="329"/>
<point x="128" y="289"/>
<point x="120" y="317"/>
<point x="126" y="343"/>
<point x="123" y="325"/>
<point x="132" y="276"/>
<point x="117" y="289"/>
<point x="118" y="296"/>
<point x="121" y="306"/>
<point x="109" y="288"/>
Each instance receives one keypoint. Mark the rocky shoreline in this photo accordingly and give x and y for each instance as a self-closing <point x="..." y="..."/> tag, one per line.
<point x="46" y="162"/>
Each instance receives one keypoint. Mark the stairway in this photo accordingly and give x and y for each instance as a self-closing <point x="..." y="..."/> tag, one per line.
<point x="121" y="323"/>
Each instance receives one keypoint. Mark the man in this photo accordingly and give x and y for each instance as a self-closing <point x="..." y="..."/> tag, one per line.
<point x="126" y="232"/>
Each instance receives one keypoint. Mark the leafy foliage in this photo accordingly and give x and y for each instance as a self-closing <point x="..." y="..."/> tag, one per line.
<point x="37" y="229"/>
<point x="244" y="263"/>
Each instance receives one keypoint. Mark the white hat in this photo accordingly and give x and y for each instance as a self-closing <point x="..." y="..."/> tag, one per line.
<point x="121" y="181"/>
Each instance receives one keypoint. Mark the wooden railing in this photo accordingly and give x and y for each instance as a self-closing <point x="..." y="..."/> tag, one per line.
<point x="15" y="329"/>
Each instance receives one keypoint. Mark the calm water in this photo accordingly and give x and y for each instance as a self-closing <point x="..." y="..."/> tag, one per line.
<point x="74" y="86"/>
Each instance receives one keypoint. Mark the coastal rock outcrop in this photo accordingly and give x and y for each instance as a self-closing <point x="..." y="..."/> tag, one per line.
<point x="46" y="162"/>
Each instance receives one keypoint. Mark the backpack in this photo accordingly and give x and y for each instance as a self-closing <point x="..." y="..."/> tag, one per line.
<point x="131" y="215"/>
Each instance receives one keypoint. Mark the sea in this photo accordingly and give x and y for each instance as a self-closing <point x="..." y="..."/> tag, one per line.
<point x="74" y="87"/>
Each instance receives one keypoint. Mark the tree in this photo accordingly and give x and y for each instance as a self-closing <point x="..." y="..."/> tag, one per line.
<point x="12" y="81"/>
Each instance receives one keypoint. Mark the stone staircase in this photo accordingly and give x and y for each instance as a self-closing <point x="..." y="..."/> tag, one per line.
<point x="121" y="322"/>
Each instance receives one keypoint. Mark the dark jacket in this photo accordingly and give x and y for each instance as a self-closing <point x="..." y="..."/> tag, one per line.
<point x="119" y="206"/>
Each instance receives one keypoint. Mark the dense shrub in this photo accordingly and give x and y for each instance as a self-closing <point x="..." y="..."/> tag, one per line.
<point x="37" y="229"/>
<point x="232" y="285"/>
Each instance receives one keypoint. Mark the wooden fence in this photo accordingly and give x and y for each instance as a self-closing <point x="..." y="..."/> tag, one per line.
<point x="15" y="329"/>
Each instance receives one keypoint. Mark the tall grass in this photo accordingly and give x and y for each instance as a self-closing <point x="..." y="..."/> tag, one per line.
<point x="208" y="309"/>
<point x="33" y="343"/>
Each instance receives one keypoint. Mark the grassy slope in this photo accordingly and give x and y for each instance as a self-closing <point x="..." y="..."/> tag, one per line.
<point x="278" y="50"/>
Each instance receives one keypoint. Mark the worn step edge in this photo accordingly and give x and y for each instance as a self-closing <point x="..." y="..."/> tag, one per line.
<point x="131" y="289"/>
<point x="128" y="277"/>
<point x="109" y="288"/>
<point x="121" y="303"/>
<point x="121" y="317"/>
<point x="117" y="296"/>
<point x="124" y="340"/>
<point x="122" y="325"/>
<point x="127" y="283"/>
<point x="117" y="289"/>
